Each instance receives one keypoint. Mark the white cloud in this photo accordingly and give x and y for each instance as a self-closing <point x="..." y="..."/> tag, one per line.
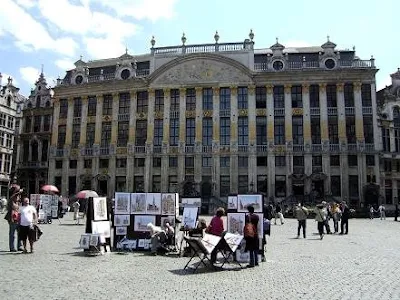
<point x="5" y="79"/>
<point x="104" y="47"/>
<point x="29" y="34"/>
<point x="141" y="9"/>
<point x="26" y="3"/>
<point x="65" y="64"/>
<point x="29" y="74"/>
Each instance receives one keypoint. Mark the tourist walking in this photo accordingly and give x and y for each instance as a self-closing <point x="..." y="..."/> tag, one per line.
<point x="336" y="214"/>
<point x="278" y="214"/>
<point x="301" y="216"/>
<point x="216" y="227"/>
<point x="3" y="205"/>
<point x="76" y="207"/>
<point x="327" y="216"/>
<point x="320" y="217"/>
<point x="251" y="236"/>
<point x="381" y="210"/>
<point x="372" y="211"/>
<point x="27" y="220"/>
<point x="345" y="218"/>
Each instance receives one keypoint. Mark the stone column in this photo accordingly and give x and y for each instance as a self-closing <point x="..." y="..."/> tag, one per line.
<point x="165" y="143"/>
<point x="216" y="142"/>
<point x="252" y="167"/>
<point x="199" y="136"/>
<point x="234" y="168"/>
<point x="130" y="161"/>
<point x="307" y="136"/>
<point x="341" y="113"/>
<point x="344" y="175"/>
<point x="56" y="114"/>
<point x="288" y="137"/>
<point x="271" y="142"/>
<point x="70" y="117"/>
<point x="148" y="178"/>
<point x="324" y="115"/>
<point x="84" y="121"/>
<point x="182" y="135"/>
<point x="114" y="119"/>
<point x="360" y="136"/>
<point x="377" y="131"/>
<point x="99" y="115"/>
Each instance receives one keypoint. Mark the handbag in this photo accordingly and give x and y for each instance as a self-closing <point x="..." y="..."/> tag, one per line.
<point x="248" y="230"/>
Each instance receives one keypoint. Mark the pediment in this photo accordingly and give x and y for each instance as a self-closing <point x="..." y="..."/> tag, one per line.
<point x="202" y="70"/>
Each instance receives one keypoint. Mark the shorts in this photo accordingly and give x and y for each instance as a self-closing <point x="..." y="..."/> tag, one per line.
<point x="25" y="232"/>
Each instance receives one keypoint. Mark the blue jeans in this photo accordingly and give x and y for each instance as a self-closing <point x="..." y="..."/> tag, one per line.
<point x="253" y="257"/>
<point x="11" y="238"/>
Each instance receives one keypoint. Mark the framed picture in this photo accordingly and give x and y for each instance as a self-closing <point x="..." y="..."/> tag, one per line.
<point x="210" y="241"/>
<point x="126" y="244"/>
<point x="233" y="240"/>
<point x="235" y="223"/>
<point x="232" y="202"/>
<point x="100" y="208"/>
<point x="191" y="202"/>
<point x="246" y="200"/>
<point x="121" y="230"/>
<point x="168" y="204"/>
<point x="85" y="241"/>
<point x="102" y="228"/>
<point x="138" y="203"/>
<point x="153" y="203"/>
<point x="94" y="240"/>
<point x="169" y="219"/>
<point x="122" y="220"/>
<point x="122" y="203"/>
<point x="146" y="245"/>
<point x="141" y="243"/>
<point x="54" y="211"/>
<point x="190" y="217"/>
<point x="140" y="222"/>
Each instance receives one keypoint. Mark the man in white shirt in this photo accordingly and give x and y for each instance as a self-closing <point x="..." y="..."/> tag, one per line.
<point x="381" y="209"/>
<point x="28" y="218"/>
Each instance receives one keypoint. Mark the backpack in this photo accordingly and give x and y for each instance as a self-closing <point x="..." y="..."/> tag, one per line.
<point x="248" y="230"/>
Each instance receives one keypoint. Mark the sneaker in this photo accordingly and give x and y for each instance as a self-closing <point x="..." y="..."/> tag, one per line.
<point x="13" y="250"/>
<point x="250" y="266"/>
<point x="322" y="236"/>
<point x="20" y="249"/>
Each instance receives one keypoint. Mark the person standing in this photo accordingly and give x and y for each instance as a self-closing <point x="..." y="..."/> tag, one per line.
<point x="381" y="210"/>
<point x="320" y="217"/>
<point x="345" y="218"/>
<point x="371" y="212"/>
<point x="76" y="207"/>
<point x="251" y="236"/>
<point x="12" y="217"/>
<point x="278" y="214"/>
<point x="216" y="227"/>
<point x="301" y="216"/>
<point x="27" y="220"/>
<point x="396" y="212"/>
<point x="336" y="214"/>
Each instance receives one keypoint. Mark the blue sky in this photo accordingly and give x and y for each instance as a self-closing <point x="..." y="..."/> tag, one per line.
<point x="56" y="32"/>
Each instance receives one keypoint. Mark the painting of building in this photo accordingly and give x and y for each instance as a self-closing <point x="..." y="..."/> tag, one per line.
<point x="168" y="204"/>
<point x="141" y="222"/>
<point x="249" y="200"/>
<point x="153" y="203"/>
<point x="138" y="203"/>
<point x="236" y="223"/>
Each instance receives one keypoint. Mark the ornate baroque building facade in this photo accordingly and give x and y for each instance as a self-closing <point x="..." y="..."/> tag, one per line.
<point x="10" y="108"/>
<point x="226" y="118"/>
<point x="34" y="137"/>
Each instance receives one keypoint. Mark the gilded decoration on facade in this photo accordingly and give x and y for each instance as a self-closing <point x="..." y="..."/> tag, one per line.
<point x="270" y="89"/>
<point x="122" y="150"/>
<point x="198" y="89"/>
<point x="280" y="148"/>
<point x="106" y="118"/>
<point x="288" y="88"/>
<point x="305" y="88"/>
<point x="207" y="113"/>
<point x="243" y="113"/>
<point x="62" y="121"/>
<point x="141" y="116"/>
<point x="158" y="115"/>
<point x="74" y="152"/>
<point x="339" y="87"/>
<point x="261" y="112"/>
<point x="91" y="119"/>
<point x="233" y="90"/>
<point x="322" y="86"/>
<point x="251" y="90"/>
<point x="190" y="114"/>
<point x="357" y="86"/>
<point x="297" y="111"/>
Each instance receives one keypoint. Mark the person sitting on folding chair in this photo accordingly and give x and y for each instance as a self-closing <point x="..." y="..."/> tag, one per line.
<point x="158" y="239"/>
<point x="170" y="232"/>
<point x="216" y="227"/>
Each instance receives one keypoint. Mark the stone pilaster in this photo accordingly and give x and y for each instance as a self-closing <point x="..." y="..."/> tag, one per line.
<point x="70" y="117"/>
<point x="252" y="117"/>
<point x="114" y="119"/>
<point x="358" y="112"/>
<point x="84" y="119"/>
<point x="112" y="174"/>
<point x="199" y="136"/>
<point x="270" y="118"/>
<point x="234" y="117"/>
<point x="165" y="157"/>
<point x="132" y="121"/>
<point x="182" y="135"/>
<point x="150" y="116"/>
<point x="216" y="116"/>
<point x="306" y="115"/>
<point x="341" y="113"/>
<point x="377" y="131"/>
<point x="323" y="113"/>
<point x="288" y="114"/>
<point x="234" y="170"/>
<point x="99" y="115"/>
<point x="56" y="114"/>
<point x="344" y="175"/>
<point x="129" y="173"/>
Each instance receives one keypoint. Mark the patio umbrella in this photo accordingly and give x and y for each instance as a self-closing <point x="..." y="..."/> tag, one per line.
<point x="86" y="194"/>
<point x="50" y="188"/>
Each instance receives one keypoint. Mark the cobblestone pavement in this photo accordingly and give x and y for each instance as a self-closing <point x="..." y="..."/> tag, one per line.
<point x="362" y="265"/>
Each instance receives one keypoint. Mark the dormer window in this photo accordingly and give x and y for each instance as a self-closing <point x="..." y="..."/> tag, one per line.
<point x="330" y="63"/>
<point x="277" y="65"/>
<point x="9" y="101"/>
<point x="79" y="79"/>
<point x="125" y="74"/>
<point x="37" y="101"/>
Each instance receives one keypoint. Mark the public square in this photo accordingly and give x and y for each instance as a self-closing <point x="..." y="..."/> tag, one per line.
<point x="362" y="265"/>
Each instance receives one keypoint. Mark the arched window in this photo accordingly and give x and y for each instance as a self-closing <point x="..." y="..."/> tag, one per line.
<point x="396" y="117"/>
<point x="35" y="151"/>
<point x="37" y="101"/>
<point x="29" y="105"/>
<point x="47" y="103"/>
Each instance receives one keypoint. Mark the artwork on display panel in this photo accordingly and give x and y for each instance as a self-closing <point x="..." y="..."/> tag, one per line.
<point x="189" y="217"/>
<point x="246" y="200"/>
<point x="122" y="203"/>
<point x="94" y="240"/>
<point x="141" y="221"/>
<point x="126" y="244"/>
<point x="168" y="219"/>
<point x="34" y="200"/>
<point x="100" y="208"/>
<point x="54" y="211"/>
<point x="141" y="243"/>
<point x="153" y="203"/>
<point x="102" y="228"/>
<point x="210" y="241"/>
<point x="233" y="240"/>
<point x="85" y="241"/>
<point x="122" y="220"/>
<point x="122" y="230"/>
<point x="168" y="204"/>
<point x="235" y="222"/>
<point x="138" y="203"/>
<point x="232" y="202"/>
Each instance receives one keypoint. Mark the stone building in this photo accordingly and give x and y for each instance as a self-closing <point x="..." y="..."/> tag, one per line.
<point x="10" y="107"/>
<point x="221" y="118"/>
<point x="34" y="137"/>
<point x="389" y="123"/>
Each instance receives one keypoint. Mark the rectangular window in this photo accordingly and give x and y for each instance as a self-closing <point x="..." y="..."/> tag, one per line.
<point x="243" y="181"/>
<point x="336" y="186"/>
<point x="76" y="135"/>
<point x="141" y="132"/>
<point x="280" y="186"/>
<point x="225" y="185"/>
<point x="46" y="122"/>
<point x="370" y="160"/>
<point x="103" y="163"/>
<point x="172" y="184"/>
<point x="396" y="140"/>
<point x="261" y="130"/>
<point x="352" y="160"/>
<point x="353" y="186"/>
<point x="298" y="161"/>
<point x="90" y="133"/>
<point x="189" y="162"/>
<point x="333" y="130"/>
<point x="366" y="95"/>
<point x="297" y="127"/>
<point x="62" y="129"/>
<point x="207" y="99"/>
<point x="138" y="184"/>
<point x="280" y="161"/>
<point x="139" y="162"/>
<point x="225" y="161"/>
<point x="242" y="98"/>
<point x="36" y="123"/>
<point x="9" y="139"/>
<point x="243" y="131"/>
<point x="59" y="164"/>
<point x="335" y="161"/>
<point x="225" y="131"/>
<point x="279" y="96"/>
<point x="261" y="97"/>
<point x="77" y="107"/>
<point x="348" y="95"/>
<point x="92" y="105"/>
<point x="175" y="100"/>
<point x="28" y="124"/>
<point x="331" y="98"/>
<point x="120" y="163"/>
<point x="279" y="130"/>
<point x="158" y="132"/>
<point x="7" y="163"/>
<point x="315" y="130"/>
<point x="225" y="98"/>
<point x="105" y="134"/>
<point x="314" y="96"/>
<point x="190" y="99"/>
<point x="156" y="162"/>
<point x="63" y="108"/>
<point x="297" y="96"/>
<point x="190" y="131"/>
<point x="124" y="103"/>
<point x="206" y="161"/>
<point x="262" y="161"/>
<point x="156" y="184"/>
<point x="10" y="122"/>
<point x="107" y="105"/>
<point x="3" y="119"/>
<point x="120" y="183"/>
<point x="317" y="161"/>
<point x="369" y="130"/>
<point x="87" y="163"/>
<point x="207" y="131"/>
<point x="73" y="164"/>
<point x="243" y="161"/>
<point x="351" y="129"/>
<point x="45" y="150"/>
<point x="173" y="162"/>
<point x="142" y="101"/>
<point x="174" y="132"/>
<point x="159" y="100"/>
<point x="386" y="139"/>
<point x="123" y="133"/>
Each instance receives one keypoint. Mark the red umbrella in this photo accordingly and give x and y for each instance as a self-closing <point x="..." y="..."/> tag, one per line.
<point x="86" y="194"/>
<point x="50" y="188"/>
